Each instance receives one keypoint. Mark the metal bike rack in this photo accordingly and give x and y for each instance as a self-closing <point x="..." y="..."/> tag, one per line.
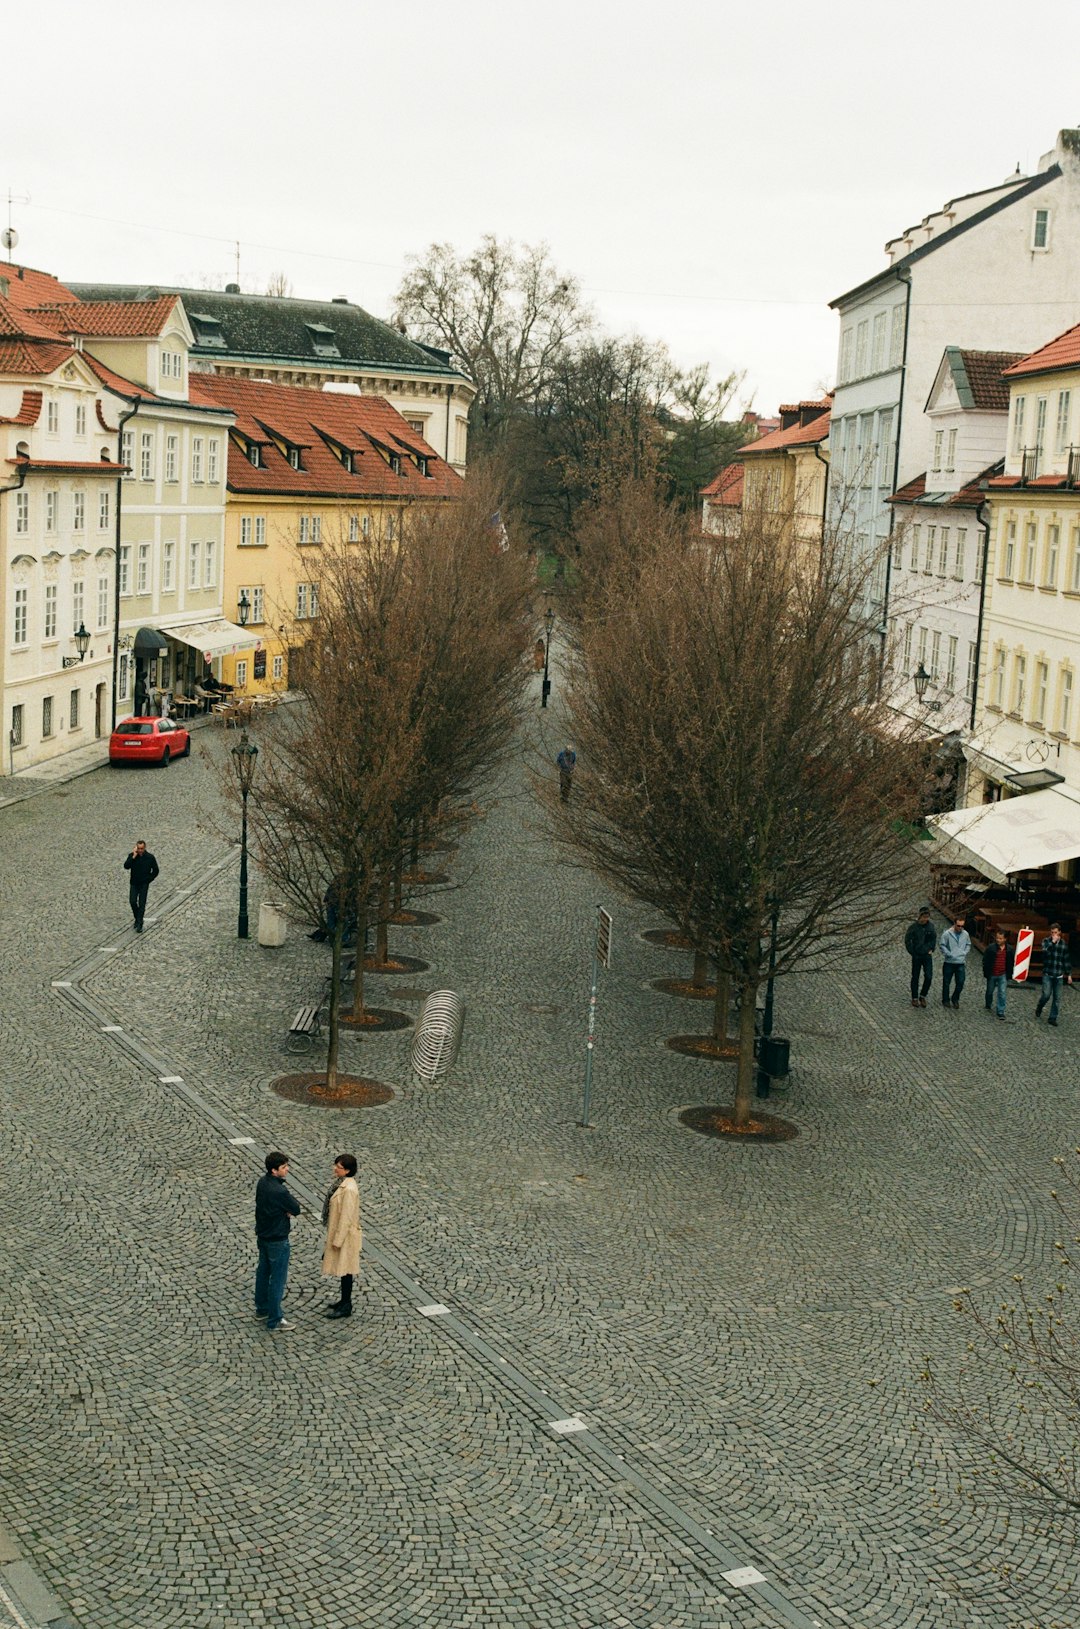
<point x="438" y="1034"/>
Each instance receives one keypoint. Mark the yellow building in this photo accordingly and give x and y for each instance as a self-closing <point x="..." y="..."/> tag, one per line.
<point x="306" y="468"/>
<point x="785" y="477"/>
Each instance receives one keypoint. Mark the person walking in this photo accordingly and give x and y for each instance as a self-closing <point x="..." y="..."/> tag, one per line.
<point x="1056" y="971"/>
<point x="920" y="941"/>
<point x="566" y="760"/>
<point x="275" y="1207"/>
<point x="954" y="945"/>
<point x="997" y="971"/>
<point x="144" y="868"/>
<point x="341" y="1218"/>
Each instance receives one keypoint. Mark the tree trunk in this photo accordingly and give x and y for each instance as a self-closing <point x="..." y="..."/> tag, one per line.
<point x="721" y="1002"/>
<point x="382" y="927"/>
<point x="357" y="1009"/>
<point x="744" y="1079"/>
<point x="397" y="885"/>
<point x="701" y="969"/>
<point x="335" y="1001"/>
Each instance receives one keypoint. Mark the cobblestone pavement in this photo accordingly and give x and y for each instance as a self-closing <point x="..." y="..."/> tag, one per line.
<point x="738" y="1328"/>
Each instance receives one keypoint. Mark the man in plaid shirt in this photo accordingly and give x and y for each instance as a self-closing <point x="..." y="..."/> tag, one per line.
<point x="1056" y="970"/>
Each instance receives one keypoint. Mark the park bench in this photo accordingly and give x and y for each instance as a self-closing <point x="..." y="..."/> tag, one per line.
<point x="304" y="1029"/>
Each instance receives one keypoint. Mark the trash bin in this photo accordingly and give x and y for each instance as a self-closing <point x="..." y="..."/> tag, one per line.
<point x="775" y="1055"/>
<point x="272" y="924"/>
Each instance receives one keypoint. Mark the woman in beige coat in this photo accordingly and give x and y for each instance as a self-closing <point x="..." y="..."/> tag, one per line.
<point x="341" y="1215"/>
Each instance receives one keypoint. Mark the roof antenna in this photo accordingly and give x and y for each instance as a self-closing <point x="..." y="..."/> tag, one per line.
<point x="238" y="258"/>
<point x="10" y="237"/>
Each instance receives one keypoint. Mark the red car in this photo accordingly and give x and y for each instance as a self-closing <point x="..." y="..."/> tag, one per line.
<point x="148" y="741"/>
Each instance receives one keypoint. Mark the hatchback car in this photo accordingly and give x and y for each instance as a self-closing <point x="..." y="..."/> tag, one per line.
<point x="148" y="740"/>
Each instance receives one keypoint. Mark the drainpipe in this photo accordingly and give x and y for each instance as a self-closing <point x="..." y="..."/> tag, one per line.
<point x="906" y="280"/>
<point x="825" y="492"/>
<point x="985" y="524"/>
<point x="123" y="419"/>
<point x="449" y="398"/>
<point x="16" y="485"/>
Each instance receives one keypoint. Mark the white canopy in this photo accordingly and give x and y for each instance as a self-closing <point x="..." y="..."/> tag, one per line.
<point x="1017" y="834"/>
<point x="216" y="638"/>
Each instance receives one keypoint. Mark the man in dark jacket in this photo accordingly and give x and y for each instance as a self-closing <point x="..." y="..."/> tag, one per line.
<point x="997" y="971"/>
<point x="1056" y="971"/>
<point x="143" y="868"/>
<point x="275" y="1207"/>
<point x="919" y="942"/>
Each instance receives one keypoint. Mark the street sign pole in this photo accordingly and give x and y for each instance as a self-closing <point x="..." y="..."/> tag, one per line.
<point x="601" y="954"/>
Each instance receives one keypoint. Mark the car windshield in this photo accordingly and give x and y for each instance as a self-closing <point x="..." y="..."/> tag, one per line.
<point x="137" y="726"/>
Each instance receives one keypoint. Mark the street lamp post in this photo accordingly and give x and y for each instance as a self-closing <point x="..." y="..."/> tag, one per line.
<point x="549" y="623"/>
<point x="243" y="608"/>
<point x="82" y="645"/>
<point x="244" y="755"/>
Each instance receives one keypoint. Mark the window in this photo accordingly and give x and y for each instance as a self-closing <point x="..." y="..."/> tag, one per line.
<point x="928" y="557"/>
<point x="245" y="531"/>
<point x="847" y="340"/>
<point x="80" y="418"/>
<point x="17" y="725"/>
<point x="212" y="447"/>
<point x="395" y="458"/>
<point x="959" y="553"/>
<point x="1040" y="229"/>
<point x="1074" y="577"/>
<point x="193" y="565"/>
<point x="196" y="458"/>
<point x="898" y="550"/>
<point x="22" y="513"/>
<point x="256" y="602"/>
<point x="1061" y="426"/>
<point x="46" y="717"/>
<point x="1065" y="704"/>
<point x="939" y="439"/>
<point x="1019" y="407"/>
<point x="50" y="611"/>
<point x="896" y="339"/>
<point x="172" y="457"/>
<point x="906" y="664"/>
<point x="862" y="334"/>
<point x="210" y="564"/>
<point x="305" y="529"/>
<point x="943" y="552"/>
<point x="241" y="674"/>
<point x="142" y="570"/>
<point x="365" y="527"/>
<point x="1010" y="549"/>
<point x="302" y="601"/>
<point x="260" y="531"/>
<point x="73" y="710"/>
<point x="52" y="417"/>
<point x="168" y="566"/>
<point x="103" y="602"/>
<point x="78" y="511"/>
<point x="972" y="665"/>
<point x="878" y="358"/>
<point x="316" y="528"/>
<point x="886" y="451"/>
<point x="125" y="568"/>
<point x="354" y="528"/>
<point x="146" y="457"/>
<point x="1042" y="684"/>
<point x="935" y="653"/>
<point x="950" y="452"/>
<point x="390" y="534"/>
<point x="1053" y="549"/>
<point x="254" y="453"/>
<point x="999" y="678"/>
<point x="78" y="604"/>
<point x="294" y="458"/>
<point x="950" y="663"/>
<point x="103" y="511"/>
<point x="127" y="452"/>
<point x="916" y="545"/>
<point x="1031" y="537"/>
<point x="124" y="676"/>
<point x="52" y="508"/>
<point x="922" y="647"/>
<point x="279" y="667"/>
<point x="416" y="424"/>
<point x="1019" y="684"/>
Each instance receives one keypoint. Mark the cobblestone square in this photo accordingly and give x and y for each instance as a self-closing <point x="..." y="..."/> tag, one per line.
<point x="738" y="1329"/>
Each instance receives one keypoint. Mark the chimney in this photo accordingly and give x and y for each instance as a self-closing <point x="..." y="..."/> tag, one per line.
<point x="339" y="299"/>
<point x="232" y="288"/>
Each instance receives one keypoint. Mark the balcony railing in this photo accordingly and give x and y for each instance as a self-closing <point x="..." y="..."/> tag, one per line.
<point x="1031" y="464"/>
<point x="1072" y="476"/>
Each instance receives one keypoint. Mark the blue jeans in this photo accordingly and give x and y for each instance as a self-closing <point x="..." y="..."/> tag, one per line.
<point x="949" y="972"/>
<point x="995" y="986"/>
<point x="1051" y="991"/>
<point x="270" y="1278"/>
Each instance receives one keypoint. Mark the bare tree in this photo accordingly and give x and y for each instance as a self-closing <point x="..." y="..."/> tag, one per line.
<point x="278" y="286"/>
<point x="736" y="765"/>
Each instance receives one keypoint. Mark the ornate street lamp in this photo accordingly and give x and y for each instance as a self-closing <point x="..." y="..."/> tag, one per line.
<point x="82" y="645"/>
<point x="549" y="623"/>
<point x="920" y="679"/>
<point x="243" y="609"/>
<point x="244" y="755"/>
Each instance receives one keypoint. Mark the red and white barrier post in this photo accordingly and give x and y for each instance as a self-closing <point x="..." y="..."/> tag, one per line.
<point x="1022" y="959"/>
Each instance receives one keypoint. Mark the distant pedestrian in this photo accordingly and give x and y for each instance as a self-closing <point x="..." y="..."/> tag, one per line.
<point x="1056" y="971"/>
<point x="140" y="696"/>
<point x="566" y="760"/>
<point x="954" y="945"/>
<point x="144" y="868"/>
<point x="275" y="1207"/>
<point x="997" y="971"/>
<point x="341" y="1218"/>
<point x="920" y="941"/>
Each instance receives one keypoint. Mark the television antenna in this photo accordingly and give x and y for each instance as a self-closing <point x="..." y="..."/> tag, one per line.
<point x="9" y="237"/>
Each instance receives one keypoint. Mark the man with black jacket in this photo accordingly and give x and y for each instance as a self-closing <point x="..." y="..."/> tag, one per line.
<point x="919" y="942"/>
<point x="144" y="868"/>
<point x="274" y="1208"/>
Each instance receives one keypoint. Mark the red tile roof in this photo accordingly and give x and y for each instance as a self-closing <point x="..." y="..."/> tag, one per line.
<point x="31" y="356"/>
<point x="94" y="465"/>
<point x="28" y="288"/>
<point x="797" y="435"/>
<point x="109" y="319"/>
<point x="1044" y="483"/>
<point x="969" y="496"/>
<point x="1062" y="352"/>
<point x="726" y="489"/>
<point x="984" y="370"/>
<point x="15" y="321"/>
<point x="305" y="418"/>
<point x="30" y="411"/>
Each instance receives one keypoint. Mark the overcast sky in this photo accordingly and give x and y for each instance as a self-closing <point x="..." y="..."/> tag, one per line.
<point x="712" y="173"/>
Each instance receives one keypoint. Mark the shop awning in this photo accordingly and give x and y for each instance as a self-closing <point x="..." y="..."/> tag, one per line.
<point x="216" y="638"/>
<point x="1017" y="834"/>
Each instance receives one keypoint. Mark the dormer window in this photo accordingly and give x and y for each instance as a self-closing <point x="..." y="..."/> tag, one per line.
<point x="294" y="458"/>
<point x="254" y="453"/>
<point x="422" y="465"/>
<point x="348" y="461"/>
<point x="323" y="339"/>
<point x="207" y="330"/>
<point x="395" y="463"/>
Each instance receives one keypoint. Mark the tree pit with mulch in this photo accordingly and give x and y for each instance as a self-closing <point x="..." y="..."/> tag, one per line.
<point x="351" y="1091"/>
<point x="396" y="964"/>
<point x="414" y="919"/>
<point x="711" y="1121"/>
<point x="685" y="988"/>
<point x="703" y="1046"/>
<point x="667" y="939"/>
<point x="375" y="1020"/>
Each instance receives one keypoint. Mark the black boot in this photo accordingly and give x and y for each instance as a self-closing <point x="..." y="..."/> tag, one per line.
<point x="340" y="1312"/>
